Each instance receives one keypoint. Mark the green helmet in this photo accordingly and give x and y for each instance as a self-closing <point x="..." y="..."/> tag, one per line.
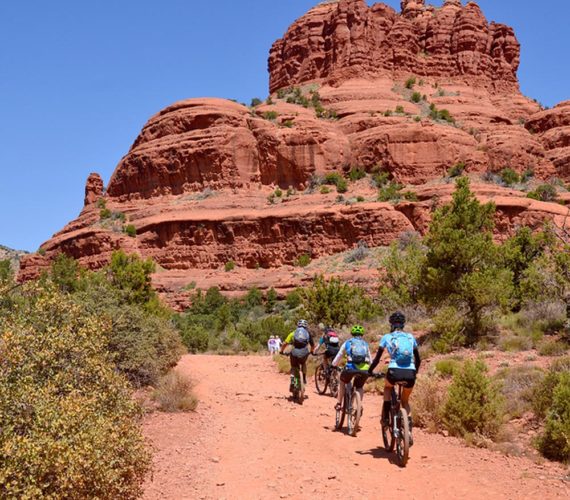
<point x="357" y="331"/>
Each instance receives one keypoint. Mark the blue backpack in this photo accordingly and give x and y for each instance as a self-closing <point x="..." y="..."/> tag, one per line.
<point x="301" y="338"/>
<point x="358" y="351"/>
<point x="401" y="348"/>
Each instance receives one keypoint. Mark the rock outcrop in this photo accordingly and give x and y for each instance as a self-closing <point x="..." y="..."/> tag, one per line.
<point x="209" y="181"/>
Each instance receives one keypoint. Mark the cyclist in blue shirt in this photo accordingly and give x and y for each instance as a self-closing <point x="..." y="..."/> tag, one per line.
<point x="404" y="362"/>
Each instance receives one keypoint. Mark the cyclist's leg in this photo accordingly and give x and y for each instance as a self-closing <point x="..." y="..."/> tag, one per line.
<point x="406" y="393"/>
<point x="359" y="382"/>
<point x="345" y="378"/>
<point x="304" y="369"/>
<point x="388" y="385"/>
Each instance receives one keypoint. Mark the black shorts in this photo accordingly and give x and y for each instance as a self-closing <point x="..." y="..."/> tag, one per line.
<point x="359" y="378"/>
<point x="299" y="357"/>
<point x="331" y="352"/>
<point x="395" y="375"/>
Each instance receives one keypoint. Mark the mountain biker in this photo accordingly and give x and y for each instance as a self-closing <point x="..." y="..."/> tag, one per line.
<point x="404" y="363"/>
<point x="358" y="359"/>
<point x="332" y="345"/>
<point x="300" y="339"/>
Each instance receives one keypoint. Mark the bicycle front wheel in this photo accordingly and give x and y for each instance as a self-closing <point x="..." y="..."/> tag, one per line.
<point x="355" y="414"/>
<point x="339" y="418"/>
<point x="403" y="442"/>
<point x="321" y="380"/>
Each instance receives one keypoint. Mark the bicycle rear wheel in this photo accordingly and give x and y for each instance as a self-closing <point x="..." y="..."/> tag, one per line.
<point x="321" y="379"/>
<point x="339" y="417"/>
<point x="334" y="382"/>
<point x="355" y="414"/>
<point x="403" y="441"/>
<point x="388" y="433"/>
<point x="301" y="396"/>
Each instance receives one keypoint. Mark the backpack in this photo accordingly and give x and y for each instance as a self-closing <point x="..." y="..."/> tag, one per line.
<point x="358" y="351"/>
<point x="331" y="339"/>
<point x="301" y="337"/>
<point x="402" y="348"/>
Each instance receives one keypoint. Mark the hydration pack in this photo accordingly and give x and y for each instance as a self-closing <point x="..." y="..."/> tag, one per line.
<point x="301" y="337"/>
<point x="331" y="339"/>
<point x="358" y="351"/>
<point x="402" y="349"/>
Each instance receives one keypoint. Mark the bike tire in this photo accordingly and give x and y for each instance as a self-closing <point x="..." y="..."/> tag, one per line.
<point x="339" y="417"/>
<point x="388" y="433"/>
<point x="334" y="383"/>
<point x="403" y="441"/>
<point x="321" y="380"/>
<point x="301" y="389"/>
<point x="355" y="414"/>
<point x="349" y="408"/>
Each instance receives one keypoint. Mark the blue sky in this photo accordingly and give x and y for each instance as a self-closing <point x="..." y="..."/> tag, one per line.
<point x="79" y="79"/>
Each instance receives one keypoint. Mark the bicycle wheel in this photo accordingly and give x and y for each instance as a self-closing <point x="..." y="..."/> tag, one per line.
<point x="403" y="441"/>
<point x="388" y="433"/>
<point x="301" y="396"/>
<point x="321" y="379"/>
<point x="339" y="417"/>
<point x="334" y="382"/>
<point x="355" y="414"/>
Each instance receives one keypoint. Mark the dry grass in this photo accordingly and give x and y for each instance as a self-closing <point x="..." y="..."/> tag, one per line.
<point x="284" y="366"/>
<point x="428" y="401"/>
<point x="174" y="393"/>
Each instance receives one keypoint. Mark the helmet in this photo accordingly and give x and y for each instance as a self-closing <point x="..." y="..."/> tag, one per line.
<point x="357" y="331"/>
<point x="397" y="319"/>
<point x="303" y="323"/>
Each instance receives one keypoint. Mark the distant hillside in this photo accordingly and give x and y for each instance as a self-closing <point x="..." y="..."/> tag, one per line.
<point x="13" y="255"/>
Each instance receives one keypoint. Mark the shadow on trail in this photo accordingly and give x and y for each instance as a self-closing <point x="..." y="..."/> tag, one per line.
<point x="380" y="452"/>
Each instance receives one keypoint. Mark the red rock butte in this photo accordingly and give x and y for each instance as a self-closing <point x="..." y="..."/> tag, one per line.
<point x="410" y="93"/>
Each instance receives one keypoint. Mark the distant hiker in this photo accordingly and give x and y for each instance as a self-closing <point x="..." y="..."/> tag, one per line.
<point x="404" y="364"/>
<point x="358" y="359"/>
<point x="271" y="345"/>
<point x="277" y="344"/>
<point x="300" y="339"/>
<point x="332" y="345"/>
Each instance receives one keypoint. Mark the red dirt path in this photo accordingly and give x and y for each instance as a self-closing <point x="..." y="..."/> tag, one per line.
<point x="246" y="440"/>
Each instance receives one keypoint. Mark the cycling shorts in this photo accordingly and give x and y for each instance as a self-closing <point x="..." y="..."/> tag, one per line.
<point x="299" y="357"/>
<point x="331" y="352"/>
<point x="359" y="378"/>
<point x="395" y="375"/>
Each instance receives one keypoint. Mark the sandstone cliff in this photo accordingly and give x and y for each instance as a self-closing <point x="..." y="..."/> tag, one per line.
<point x="352" y="86"/>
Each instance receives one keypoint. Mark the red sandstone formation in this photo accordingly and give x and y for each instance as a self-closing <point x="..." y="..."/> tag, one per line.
<point x="196" y="181"/>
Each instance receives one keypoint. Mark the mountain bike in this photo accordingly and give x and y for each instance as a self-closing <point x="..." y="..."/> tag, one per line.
<point x="327" y="377"/>
<point x="297" y="384"/>
<point x="397" y="432"/>
<point x="351" y="407"/>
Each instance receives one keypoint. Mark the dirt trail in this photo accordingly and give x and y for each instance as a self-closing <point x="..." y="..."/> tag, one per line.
<point x="248" y="441"/>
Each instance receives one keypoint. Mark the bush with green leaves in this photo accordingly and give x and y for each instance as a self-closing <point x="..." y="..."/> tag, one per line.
<point x="230" y="265"/>
<point x="256" y="101"/>
<point x="456" y="170"/>
<point x="390" y="192"/>
<point x="410" y="82"/>
<point x="270" y="115"/>
<point x="303" y="260"/>
<point x="416" y="97"/>
<point x="130" y="230"/>
<point x="509" y="177"/>
<point x="400" y="109"/>
<point x="543" y="391"/>
<point x="293" y="299"/>
<point x="356" y="174"/>
<point x="68" y="425"/>
<point x="6" y="273"/>
<point x="555" y="441"/>
<point x="330" y="301"/>
<point x="448" y="329"/>
<point x="474" y="405"/>
<point x="270" y="300"/>
<point x="463" y="268"/>
<point x="544" y="192"/>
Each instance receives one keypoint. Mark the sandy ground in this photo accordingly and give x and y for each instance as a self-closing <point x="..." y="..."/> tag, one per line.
<point x="248" y="441"/>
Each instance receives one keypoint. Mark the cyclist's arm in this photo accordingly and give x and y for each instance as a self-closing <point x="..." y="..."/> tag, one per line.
<point x="288" y="340"/>
<point x="376" y="360"/>
<point x="338" y="358"/>
<point x="417" y="359"/>
<point x="318" y="346"/>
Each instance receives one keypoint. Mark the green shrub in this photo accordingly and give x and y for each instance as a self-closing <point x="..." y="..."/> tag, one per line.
<point x="303" y="260"/>
<point x="448" y="329"/>
<point x="380" y="179"/>
<point x="254" y="297"/>
<point x="390" y="192"/>
<point x="195" y="338"/>
<point x="64" y="272"/>
<point x="360" y="199"/>
<point x="447" y="367"/>
<point x="527" y="175"/>
<point x="410" y="196"/>
<point x="516" y="343"/>
<point x="400" y="109"/>
<point x="270" y="300"/>
<point x="270" y="115"/>
<point x="6" y="273"/>
<point x="388" y="112"/>
<point x="417" y="118"/>
<point x="416" y="97"/>
<point x="509" y="176"/>
<point x="555" y="442"/>
<point x="474" y="405"/>
<point x="132" y="275"/>
<point x="356" y="174"/>
<point x="63" y="407"/>
<point x="101" y="203"/>
<point x="105" y="213"/>
<point x="544" y="192"/>
<point x="456" y="170"/>
<point x="293" y="299"/>
<point x="342" y="186"/>
<point x="330" y="301"/>
<point x="552" y="348"/>
<point x="269" y="101"/>
<point x="325" y="190"/>
<point x="410" y="82"/>
<point x="517" y="386"/>
<point x="131" y="231"/>
<point x="256" y="101"/>
<point x="230" y="265"/>
<point x="288" y="123"/>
